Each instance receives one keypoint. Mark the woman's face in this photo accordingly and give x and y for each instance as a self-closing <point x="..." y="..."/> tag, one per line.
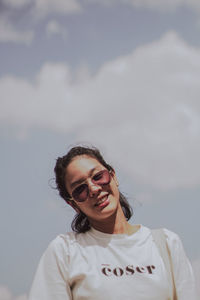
<point x="102" y="201"/>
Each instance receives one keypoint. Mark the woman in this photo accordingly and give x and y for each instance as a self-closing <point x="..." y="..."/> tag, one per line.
<point x="105" y="256"/>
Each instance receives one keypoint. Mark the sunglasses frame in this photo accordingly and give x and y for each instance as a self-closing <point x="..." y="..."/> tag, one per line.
<point x="94" y="182"/>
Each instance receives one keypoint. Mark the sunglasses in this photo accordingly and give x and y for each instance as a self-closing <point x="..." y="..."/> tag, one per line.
<point x="81" y="192"/>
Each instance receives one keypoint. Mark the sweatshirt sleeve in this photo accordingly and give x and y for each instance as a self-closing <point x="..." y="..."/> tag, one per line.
<point x="51" y="278"/>
<point x="183" y="273"/>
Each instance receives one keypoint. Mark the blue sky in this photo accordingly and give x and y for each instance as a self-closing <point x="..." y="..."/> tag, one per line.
<point x="121" y="75"/>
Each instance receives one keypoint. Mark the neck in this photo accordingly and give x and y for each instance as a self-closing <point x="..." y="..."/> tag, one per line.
<point x="115" y="224"/>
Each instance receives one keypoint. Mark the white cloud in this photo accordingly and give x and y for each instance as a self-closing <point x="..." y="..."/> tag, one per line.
<point x="45" y="7"/>
<point x="143" y="109"/>
<point x="37" y="10"/>
<point x="42" y="8"/>
<point x="161" y="5"/>
<point x="6" y="294"/>
<point x="165" y="5"/>
<point x="54" y="28"/>
<point x="9" y="34"/>
<point x="16" y="3"/>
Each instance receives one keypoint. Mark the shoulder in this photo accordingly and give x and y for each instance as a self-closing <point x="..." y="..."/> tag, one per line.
<point x="173" y="239"/>
<point x="170" y="236"/>
<point x="61" y="244"/>
<point x="182" y="269"/>
<point x="175" y="246"/>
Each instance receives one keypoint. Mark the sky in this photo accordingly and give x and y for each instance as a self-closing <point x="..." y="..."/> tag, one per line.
<point x="121" y="75"/>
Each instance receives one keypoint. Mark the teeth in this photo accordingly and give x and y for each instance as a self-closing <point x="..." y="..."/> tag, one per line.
<point x="101" y="201"/>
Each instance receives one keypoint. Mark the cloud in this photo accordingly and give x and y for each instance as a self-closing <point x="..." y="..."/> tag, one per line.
<point x="6" y="294"/>
<point x="54" y="28"/>
<point x="45" y="7"/>
<point x="143" y="109"/>
<point x="160" y="5"/>
<point x="36" y="10"/>
<point x="163" y="5"/>
<point x="8" y="33"/>
<point x="16" y="3"/>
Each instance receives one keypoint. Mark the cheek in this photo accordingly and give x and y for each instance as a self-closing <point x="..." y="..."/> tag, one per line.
<point x="74" y="206"/>
<point x="117" y="194"/>
<point x="115" y="189"/>
<point x="82" y="207"/>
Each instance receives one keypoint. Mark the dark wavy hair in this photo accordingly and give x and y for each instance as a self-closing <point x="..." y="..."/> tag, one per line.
<point x="80" y="222"/>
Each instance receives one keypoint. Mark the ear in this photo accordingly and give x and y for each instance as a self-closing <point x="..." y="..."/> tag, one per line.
<point x="114" y="177"/>
<point x="73" y="205"/>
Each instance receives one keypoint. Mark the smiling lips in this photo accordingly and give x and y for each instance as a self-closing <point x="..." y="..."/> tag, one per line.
<point x="104" y="201"/>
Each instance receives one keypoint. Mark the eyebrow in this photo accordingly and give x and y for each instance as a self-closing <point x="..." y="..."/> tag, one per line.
<point x="82" y="179"/>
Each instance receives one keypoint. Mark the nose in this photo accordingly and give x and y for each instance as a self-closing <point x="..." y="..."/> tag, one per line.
<point x="93" y="189"/>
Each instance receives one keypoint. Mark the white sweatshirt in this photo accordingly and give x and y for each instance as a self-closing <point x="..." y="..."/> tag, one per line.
<point x="96" y="266"/>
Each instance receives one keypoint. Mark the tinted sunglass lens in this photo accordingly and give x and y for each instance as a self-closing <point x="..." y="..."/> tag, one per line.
<point x="102" y="177"/>
<point x="80" y="194"/>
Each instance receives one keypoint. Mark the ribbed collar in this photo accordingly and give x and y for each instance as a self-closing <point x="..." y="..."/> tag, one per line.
<point x="139" y="236"/>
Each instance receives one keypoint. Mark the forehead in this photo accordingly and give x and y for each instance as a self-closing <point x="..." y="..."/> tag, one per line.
<point x="81" y="165"/>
